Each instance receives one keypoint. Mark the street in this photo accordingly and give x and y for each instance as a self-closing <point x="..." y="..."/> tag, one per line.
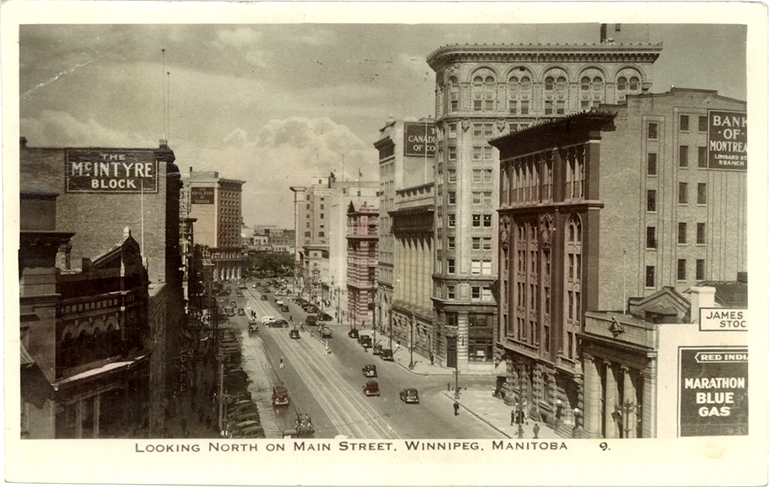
<point x="328" y="386"/>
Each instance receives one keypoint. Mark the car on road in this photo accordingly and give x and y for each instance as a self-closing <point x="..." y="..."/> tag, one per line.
<point x="242" y="286"/>
<point x="280" y="324"/>
<point x="324" y="317"/>
<point x="303" y="426"/>
<point x="284" y="308"/>
<point x="279" y="395"/>
<point x="279" y="302"/>
<point x="369" y="370"/>
<point x="353" y="333"/>
<point x="253" y="327"/>
<point x="325" y="332"/>
<point x="365" y="341"/>
<point x="387" y="354"/>
<point x="294" y="333"/>
<point x="241" y="312"/>
<point x="371" y="388"/>
<point x="268" y="320"/>
<point x="410" y="395"/>
<point x="311" y="320"/>
<point x="240" y="293"/>
<point x="255" y="431"/>
<point x="376" y="349"/>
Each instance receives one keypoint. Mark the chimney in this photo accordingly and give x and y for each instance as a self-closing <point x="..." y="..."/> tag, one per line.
<point x="86" y="267"/>
<point x="701" y="297"/>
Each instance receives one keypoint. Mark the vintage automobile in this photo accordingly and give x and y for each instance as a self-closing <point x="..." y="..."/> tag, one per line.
<point x="410" y="395"/>
<point x="387" y="354"/>
<point x="255" y="431"/>
<point x="353" y="333"/>
<point x="377" y="349"/>
<point x="371" y="388"/>
<point x="284" y="308"/>
<point x="324" y="317"/>
<point x="365" y="341"/>
<point x="311" y="320"/>
<point x="325" y="332"/>
<point x="241" y="312"/>
<point x="264" y="297"/>
<point x="279" y="395"/>
<point x="280" y="324"/>
<point x="294" y="333"/>
<point x="369" y="370"/>
<point x="239" y="294"/>
<point x="253" y="327"/>
<point x="268" y="320"/>
<point x="303" y="426"/>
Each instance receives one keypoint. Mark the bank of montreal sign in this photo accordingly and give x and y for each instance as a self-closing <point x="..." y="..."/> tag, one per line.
<point x="727" y="140"/>
<point x="110" y="171"/>
<point x="418" y="139"/>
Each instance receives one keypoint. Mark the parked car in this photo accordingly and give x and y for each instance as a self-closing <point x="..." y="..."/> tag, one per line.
<point x="253" y="327"/>
<point x="325" y="332"/>
<point x="371" y="388"/>
<point x="303" y="426"/>
<point x="324" y="317"/>
<point x="280" y="324"/>
<point x="353" y="333"/>
<point x="240" y="293"/>
<point x="284" y="308"/>
<point x="294" y="333"/>
<point x="264" y="297"/>
<point x="311" y="320"/>
<point x="410" y="395"/>
<point x="241" y="312"/>
<point x="376" y="349"/>
<point x="387" y="354"/>
<point x="365" y="341"/>
<point x="279" y="395"/>
<point x="369" y="370"/>
<point x="255" y="431"/>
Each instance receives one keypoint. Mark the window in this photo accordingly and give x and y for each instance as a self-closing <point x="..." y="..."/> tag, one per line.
<point x="682" y="232"/>
<point x="452" y="197"/>
<point x="321" y="234"/>
<point x="700" y="233"/>
<point x="322" y="216"/>
<point x="700" y="271"/>
<point x="649" y="276"/>
<point x="524" y="107"/>
<point x="476" y="197"/>
<point x="684" y="125"/>
<point x="549" y="81"/>
<point x="476" y="267"/>
<point x="683" y="156"/>
<point x="308" y="207"/>
<point x="476" y="292"/>
<point x="585" y="83"/>
<point x="513" y="106"/>
<point x="487" y="176"/>
<point x="634" y="84"/>
<point x="486" y="294"/>
<point x="703" y="124"/>
<point x="683" y="197"/>
<point x="548" y="107"/>
<point x="486" y="268"/>
<point x="452" y="131"/>
<point x="487" y="198"/>
<point x="651" y="164"/>
<point x="451" y="243"/>
<point x="477" y="153"/>
<point x="452" y="153"/>
<point x="476" y="220"/>
<point x="681" y="274"/>
<point x="487" y="221"/>
<point x="651" y="237"/>
<point x="307" y="234"/>
<point x="477" y="129"/>
<point x="651" y="200"/>
<point x="560" y="107"/>
<point x="450" y="292"/>
<point x="486" y="243"/>
<point x="702" y="157"/>
<point x="477" y="175"/>
<point x="702" y="198"/>
<point x="488" y="129"/>
<point x="452" y="175"/>
<point x="450" y="265"/>
<point x="621" y="84"/>
<point x="452" y="220"/>
<point x="476" y="243"/>
<point x="651" y="131"/>
<point x="487" y="153"/>
<point x="584" y="104"/>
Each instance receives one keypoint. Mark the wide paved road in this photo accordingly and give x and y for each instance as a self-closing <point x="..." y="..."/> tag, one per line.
<point x="329" y="386"/>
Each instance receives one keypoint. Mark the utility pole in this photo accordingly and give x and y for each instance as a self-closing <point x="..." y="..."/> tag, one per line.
<point x="411" y="344"/>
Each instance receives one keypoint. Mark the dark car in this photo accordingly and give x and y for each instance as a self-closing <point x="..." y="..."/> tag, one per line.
<point x="284" y="308"/>
<point x="410" y="396"/>
<point x="294" y="333"/>
<point x="264" y="297"/>
<point x="311" y="320"/>
<point x="387" y="354"/>
<point x="324" y="317"/>
<point x="241" y="312"/>
<point x="280" y="395"/>
<point x="377" y="349"/>
<point x="353" y="333"/>
<point x="369" y="370"/>
<point x="281" y="324"/>
<point x="365" y="341"/>
<point x="325" y="332"/>
<point x="371" y="388"/>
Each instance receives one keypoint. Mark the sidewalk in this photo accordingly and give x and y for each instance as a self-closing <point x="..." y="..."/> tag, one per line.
<point x="185" y="408"/>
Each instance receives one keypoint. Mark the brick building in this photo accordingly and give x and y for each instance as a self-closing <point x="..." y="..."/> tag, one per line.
<point x="603" y="206"/>
<point x="362" y="240"/>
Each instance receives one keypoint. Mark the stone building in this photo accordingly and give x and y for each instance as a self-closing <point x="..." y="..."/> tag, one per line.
<point x="362" y="240"/>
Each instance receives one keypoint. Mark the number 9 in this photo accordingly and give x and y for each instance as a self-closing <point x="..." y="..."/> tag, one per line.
<point x="604" y="446"/>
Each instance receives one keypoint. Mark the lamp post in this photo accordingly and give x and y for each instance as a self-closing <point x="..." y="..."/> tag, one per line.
<point x="411" y="343"/>
<point x="622" y="414"/>
<point x="520" y="368"/>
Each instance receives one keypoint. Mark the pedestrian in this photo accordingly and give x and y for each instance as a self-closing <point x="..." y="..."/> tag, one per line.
<point x="290" y="317"/>
<point x="456" y="408"/>
<point x="536" y="431"/>
<point x="282" y="365"/>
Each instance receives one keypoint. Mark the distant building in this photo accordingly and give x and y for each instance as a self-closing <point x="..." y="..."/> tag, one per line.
<point x="216" y="204"/>
<point x="605" y="205"/>
<point x="362" y="242"/>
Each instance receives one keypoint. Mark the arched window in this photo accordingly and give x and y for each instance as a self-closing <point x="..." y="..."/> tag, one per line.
<point x="585" y="83"/>
<point x="549" y="83"/>
<point x="560" y="84"/>
<point x="634" y="84"/>
<point x="483" y="94"/>
<point x="621" y="83"/>
<point x="597" y="84"/>
<point x="453" y="94"/>
<point x="572" y="294"/>
<point x="525" y="83"/>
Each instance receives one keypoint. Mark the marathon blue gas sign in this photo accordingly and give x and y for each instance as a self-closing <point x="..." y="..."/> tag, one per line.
<point x="110" y="171"/>
<point x="727" y="140"/>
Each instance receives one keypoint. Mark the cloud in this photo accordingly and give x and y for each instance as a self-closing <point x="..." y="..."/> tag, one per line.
<point x="59" y="129"/>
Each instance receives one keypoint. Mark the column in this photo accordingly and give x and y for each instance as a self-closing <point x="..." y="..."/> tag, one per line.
<point x="610" y="399"/>
<point x="79" y="419"/>
<point x="629" y="399"/>
<point x="96" y="411"/>
<point x="592" y="413"/>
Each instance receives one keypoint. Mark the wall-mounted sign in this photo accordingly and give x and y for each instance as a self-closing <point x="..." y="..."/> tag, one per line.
<point x="713" y="391"/>
<point x="110" y="171"/>
<point x="201" y="196"/>
<point x="418" y="139"/>
<point x="727" y="140"/>
<point x="723" y="319"/>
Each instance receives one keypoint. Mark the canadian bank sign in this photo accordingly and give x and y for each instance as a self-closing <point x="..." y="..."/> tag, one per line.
<point x="727" y="140"/>
<point x="419" y="139"/>
<point x="110" y="171"/>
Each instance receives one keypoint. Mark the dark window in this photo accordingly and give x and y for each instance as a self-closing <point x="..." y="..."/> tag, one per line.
<point x="476" y="220"/>
<point x="649" y="276"/>
<point x="684" y="123"/>
<point x="703" y="124"/>
<point x="487" y="221"/>
<point x="651" y="200"/>
<point x="702" y="157"/>
<point x="681" y="275"/>
<point x="651" y="238"/>
<point x="683" y="156"/>
<point x="700" y="233"/>
<point x="700" y="269"/>
<point x="651" y="164"/>
<point x="450" y="263"/>
<point x="683" y="196"/>
<point x="682" y="232"/>
<point x="702" y="198"/>
<point x="652" y="131"/>
<point x="524" y="107"/>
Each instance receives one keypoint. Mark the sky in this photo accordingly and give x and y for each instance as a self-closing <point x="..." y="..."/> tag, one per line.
<point x="277" y="104"/>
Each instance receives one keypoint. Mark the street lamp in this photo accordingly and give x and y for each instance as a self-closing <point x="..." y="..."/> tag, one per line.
<point x="520" y="368"/>
<point x="411" y="344"/>
<point x="622" y="414"/>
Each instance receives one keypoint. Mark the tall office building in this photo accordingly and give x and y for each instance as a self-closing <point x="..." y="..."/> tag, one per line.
<point x="482" y="92"/>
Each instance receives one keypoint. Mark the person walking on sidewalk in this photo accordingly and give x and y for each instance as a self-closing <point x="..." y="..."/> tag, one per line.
<point x="456" y="408"/>
<point x="282" y="365"/>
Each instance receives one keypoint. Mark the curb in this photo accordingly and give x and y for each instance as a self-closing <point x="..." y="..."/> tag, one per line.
<point x="451" y="397"/>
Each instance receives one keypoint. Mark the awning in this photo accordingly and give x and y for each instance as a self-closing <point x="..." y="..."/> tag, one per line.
<point x="110" y="367"/>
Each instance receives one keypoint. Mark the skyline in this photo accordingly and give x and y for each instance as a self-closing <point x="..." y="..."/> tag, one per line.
<point x="277" y="104"/>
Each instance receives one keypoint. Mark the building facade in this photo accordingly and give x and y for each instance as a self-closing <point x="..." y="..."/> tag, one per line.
<point x="603" y="206"/>
<point x="362" y="240"/>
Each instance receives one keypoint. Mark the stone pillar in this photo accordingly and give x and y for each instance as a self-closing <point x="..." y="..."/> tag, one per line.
<point x="649" y="405"/>
<point x="96" y="411"/>
<point x="610" y="399"/>
<point x="592" y="416"/>
<point x="629" y="395"/>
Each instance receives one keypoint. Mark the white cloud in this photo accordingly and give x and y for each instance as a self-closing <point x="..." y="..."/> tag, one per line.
<point x="60" y="129"/>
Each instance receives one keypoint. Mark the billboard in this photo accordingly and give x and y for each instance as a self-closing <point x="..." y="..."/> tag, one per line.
<point x="419" y="139"/>
<point x="713" y="391"/>
<point x="727" y="140"/>
<point x="110" y="171"/>
<point x="201" y="196"/>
